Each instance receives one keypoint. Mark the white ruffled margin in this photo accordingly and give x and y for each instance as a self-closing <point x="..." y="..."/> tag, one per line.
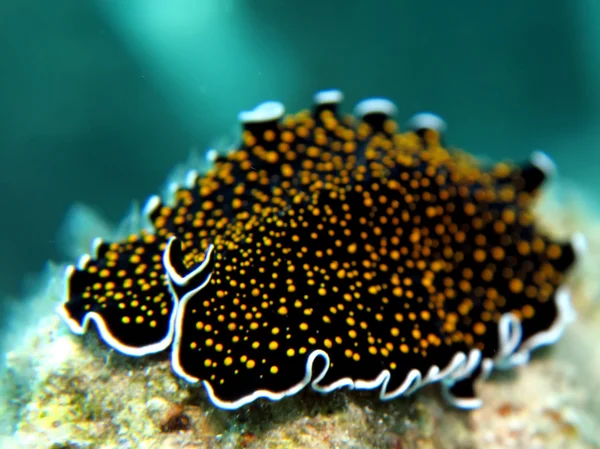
<point x="512" y="351"/>
<point x="101" y="326"/>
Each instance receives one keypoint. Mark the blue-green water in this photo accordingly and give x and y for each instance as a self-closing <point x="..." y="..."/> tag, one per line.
<point x="99" y="99"/>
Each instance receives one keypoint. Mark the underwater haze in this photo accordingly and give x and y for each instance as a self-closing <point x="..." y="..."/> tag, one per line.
<point x="102" y="101"/>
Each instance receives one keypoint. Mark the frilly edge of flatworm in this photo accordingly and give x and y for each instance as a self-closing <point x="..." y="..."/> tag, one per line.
<point x="101" y="326"/>
<point x="172" y="279"/>
<point x="462" y="366"/>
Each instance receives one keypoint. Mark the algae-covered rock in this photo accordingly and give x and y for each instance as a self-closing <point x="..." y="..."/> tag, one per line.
<point x="64" y="391"/>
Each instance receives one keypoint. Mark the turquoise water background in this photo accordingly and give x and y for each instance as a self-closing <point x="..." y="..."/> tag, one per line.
<point x="99" y="99"/>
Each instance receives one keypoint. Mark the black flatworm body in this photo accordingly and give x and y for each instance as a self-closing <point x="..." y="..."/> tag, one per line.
<point x="334" y="252"/>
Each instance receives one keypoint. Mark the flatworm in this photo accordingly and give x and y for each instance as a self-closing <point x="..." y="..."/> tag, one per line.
<point x="334" y="252"/>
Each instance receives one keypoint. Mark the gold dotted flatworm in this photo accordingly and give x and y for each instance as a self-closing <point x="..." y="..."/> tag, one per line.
<point x="334" y="252"/>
